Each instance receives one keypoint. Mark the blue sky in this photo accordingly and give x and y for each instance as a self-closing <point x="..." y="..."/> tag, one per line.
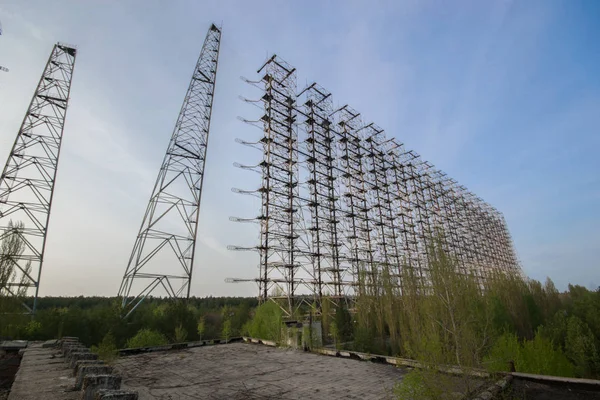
<point x="503" y="96"/>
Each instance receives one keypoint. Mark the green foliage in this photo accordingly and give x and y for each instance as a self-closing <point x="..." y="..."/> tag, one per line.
<point x="226" y="334"/>
<point x="107" y="349"/>
<point x="463" y="320"/>
<point x="267" y="322"/>
<point x="506" y="349"/>
<point x="343" y="321"/>
<point x="537" y="356"/>
<point x="325" y="316"/>
<point x="146" y="338"/>
<point x="581" y="347"/>
<point x="335" y="334"/>
<point x="33" y="329"/>
<point x="555" y="328"/>
<point x="180" y="334"/>
<point x="91" y="318"/>
<point x="201" y="328"/>
<point x="448" y="324"/>
<point x="422" y="384"/>
<point x="11" y="248"/>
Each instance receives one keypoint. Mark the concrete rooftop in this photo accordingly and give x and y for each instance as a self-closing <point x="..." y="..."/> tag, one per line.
<point x="248" y="371"/>
<point x="43" y="374"/>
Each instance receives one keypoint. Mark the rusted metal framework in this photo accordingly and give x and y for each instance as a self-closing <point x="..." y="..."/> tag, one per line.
<point x="342" y="203"/>
<point x="321" y="156"/>
<point x="27" y="181"/>
<point x="163" y="253"/>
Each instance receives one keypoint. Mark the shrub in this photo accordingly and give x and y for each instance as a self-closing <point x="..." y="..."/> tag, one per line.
<point x="201" y="328"/>
<point x="422" y="384"/>
<point x="581" y="348"/>
<point x="146" y="338"/>
<point x="507" y="348"/>
<point x="180" y="334"/>
<point x="107" y="349"/>
<point x="226" y="333"/>
<point x="267" y="322"/>
<point x="537" y="356"/>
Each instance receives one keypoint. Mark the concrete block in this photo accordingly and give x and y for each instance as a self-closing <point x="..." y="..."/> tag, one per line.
<point x="50" y="343"/>
<point x="13" y="345"/>
<point x="81" y="363"/>
<point x="91" y="370"/>
<point x="81" y="356"/>
<point x="106" y="394"/>
<point x="68" y="347"/>
<point x="65" y="343"/>
<point x="92" y="384"/>
<point x="74" y="350"/>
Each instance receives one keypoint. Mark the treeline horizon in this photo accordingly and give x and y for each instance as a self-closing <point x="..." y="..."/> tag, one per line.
<point x="85" y="301"/>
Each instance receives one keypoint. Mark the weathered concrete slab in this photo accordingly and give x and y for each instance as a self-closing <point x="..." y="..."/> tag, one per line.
<point x="13" y="344"/>
<point x="71" y="347"/>
<point x="239" y="371"/>
<point x="50" y="343"/>
<point x="81" y="356"/>
<point x="93" y="383"/>
<point x="81" y="363"/>
<point x="43" y="375"/>
<point x="72" y="350"/>
<point x="86" y="370"/>
<point x="104" y="394"/>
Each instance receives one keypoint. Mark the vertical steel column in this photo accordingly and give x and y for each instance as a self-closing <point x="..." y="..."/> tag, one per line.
<point x="321" y="158"/>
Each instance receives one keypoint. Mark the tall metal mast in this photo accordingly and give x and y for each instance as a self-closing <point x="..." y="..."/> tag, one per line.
<point x="163" y="253"/>
<point x="27" y="181"/>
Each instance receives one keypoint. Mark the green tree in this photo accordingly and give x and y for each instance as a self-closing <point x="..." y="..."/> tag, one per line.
<point x="267" y="322"/>
<point x="581" y="348"/>
<point x="180" y="334"/>
<point x="226" y="333"/>
<point x="201" y="327"/>
<point x="536" y="356"/>
<point x="107" y="349"/>
<point x="11" y="249"/>
<point x="147" y="338"/>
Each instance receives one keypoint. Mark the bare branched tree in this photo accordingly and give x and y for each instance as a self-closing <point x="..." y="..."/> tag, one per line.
<point x="11" y="249"/>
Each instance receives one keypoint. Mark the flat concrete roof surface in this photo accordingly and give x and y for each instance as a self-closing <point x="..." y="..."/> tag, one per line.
<point x="249" y="371"/>
<point x="43" y="375"/>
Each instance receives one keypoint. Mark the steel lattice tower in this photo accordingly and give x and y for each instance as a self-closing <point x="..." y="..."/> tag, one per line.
<point x="27" y="181"/>
<point x="163" y="253"/>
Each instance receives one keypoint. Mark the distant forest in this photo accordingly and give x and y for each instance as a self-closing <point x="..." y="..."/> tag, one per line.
<point x="92" y="318"/>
